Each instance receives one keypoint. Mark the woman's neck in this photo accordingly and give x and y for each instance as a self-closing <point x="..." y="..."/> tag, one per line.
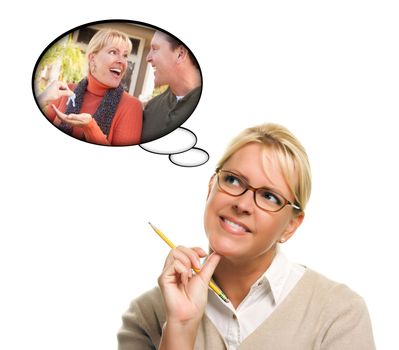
<point x="236" y="277"/>
<point x="95" y="86"/>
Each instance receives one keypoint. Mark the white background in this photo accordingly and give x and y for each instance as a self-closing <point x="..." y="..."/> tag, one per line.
<point x="75" y="245"/>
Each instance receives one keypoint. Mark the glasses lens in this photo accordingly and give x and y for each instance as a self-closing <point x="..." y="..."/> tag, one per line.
<point x="231" y="183"/>
<point x="269" y="200"/>
<point x="236" y="186"/>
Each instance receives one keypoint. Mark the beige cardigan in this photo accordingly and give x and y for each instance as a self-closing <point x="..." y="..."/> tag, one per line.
<point x="317" y="314"/>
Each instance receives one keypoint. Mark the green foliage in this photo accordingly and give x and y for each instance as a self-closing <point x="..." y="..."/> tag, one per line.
<point x="71" y="58"/>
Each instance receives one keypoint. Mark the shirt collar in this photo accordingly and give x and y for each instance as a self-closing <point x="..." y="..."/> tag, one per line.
<point x="273" y="280"/>
<point x="275" y="276"/>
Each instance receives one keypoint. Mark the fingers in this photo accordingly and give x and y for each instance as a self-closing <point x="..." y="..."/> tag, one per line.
<point x="65" y="92"/>
<point x="73" y="119"/>
<point x="209" y="267"/>
<point x="180" y="262"/>
<point x="60" y="115"/>
<point x="199" y="251"/>
<point x="62" y="89"/>
<point x="190" y="257"/>
<point x="63" y="116"/>
<point x="175" y="272"/>
<point x="181" y="269"/>
<point x="57" y="89"/>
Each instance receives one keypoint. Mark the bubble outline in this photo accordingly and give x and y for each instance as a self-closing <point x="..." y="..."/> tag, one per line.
<point x="164" y="154"/>
<point x="190" y="166"/>
<point x="85" y="25"/>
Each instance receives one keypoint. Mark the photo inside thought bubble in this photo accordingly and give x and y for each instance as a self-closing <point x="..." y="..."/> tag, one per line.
<point x="117" y="83"/>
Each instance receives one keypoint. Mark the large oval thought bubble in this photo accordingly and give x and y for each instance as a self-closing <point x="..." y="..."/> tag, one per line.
<point x="117" y="82"/>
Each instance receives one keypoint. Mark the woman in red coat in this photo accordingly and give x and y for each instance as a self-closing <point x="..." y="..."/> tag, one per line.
<point x="102" y="112"/>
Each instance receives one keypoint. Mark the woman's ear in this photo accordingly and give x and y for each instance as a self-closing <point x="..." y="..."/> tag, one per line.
<point x="294" y="223"/>
<point x="210" y="184"/>
<point x="92" y="64"/>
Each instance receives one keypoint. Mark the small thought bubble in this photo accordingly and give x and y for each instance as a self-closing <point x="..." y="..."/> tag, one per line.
<point x="178" y="141"/>
<point x="179" y="145"/>
<point x="190" y="158"/>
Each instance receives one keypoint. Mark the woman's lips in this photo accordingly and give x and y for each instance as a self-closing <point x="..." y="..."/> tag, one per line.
<point x="232" y="226"/>
<point x="116" y="72"/>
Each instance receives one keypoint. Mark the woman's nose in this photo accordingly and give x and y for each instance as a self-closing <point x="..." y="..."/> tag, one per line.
<point x="122" y="59"/>
<point x="245" y="203"/>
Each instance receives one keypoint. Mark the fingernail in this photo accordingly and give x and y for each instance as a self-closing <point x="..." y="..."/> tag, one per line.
<point x="197" y="264"/>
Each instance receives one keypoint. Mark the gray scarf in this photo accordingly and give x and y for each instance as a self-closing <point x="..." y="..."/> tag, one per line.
<point x="105" y="111"/>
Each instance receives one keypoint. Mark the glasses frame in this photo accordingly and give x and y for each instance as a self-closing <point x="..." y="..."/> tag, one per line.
<point x="254" y="190"/>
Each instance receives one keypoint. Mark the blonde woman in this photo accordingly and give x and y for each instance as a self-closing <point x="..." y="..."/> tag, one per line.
<point x="256" y="201"/>
<point x="103" y="113"/>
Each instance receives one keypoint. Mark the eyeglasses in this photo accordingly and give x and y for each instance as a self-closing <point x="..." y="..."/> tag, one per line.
<point x="264" y="198"/>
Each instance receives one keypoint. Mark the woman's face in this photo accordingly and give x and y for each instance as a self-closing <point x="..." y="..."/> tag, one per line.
<point x="236" y="227"/>
<point x="109" y="64"/>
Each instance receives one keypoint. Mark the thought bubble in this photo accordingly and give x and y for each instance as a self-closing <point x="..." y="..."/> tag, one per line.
<point x="179" y="145"/>
<point x="62" y="78"/>
<point x="191" y="158"/>
<point x="178" y="141"/>
<point x="63" y="71"/>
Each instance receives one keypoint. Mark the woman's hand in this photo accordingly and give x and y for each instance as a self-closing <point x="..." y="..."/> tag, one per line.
<point x="185" y="295"/>
<point x="81" y="119"/>
<point x="54" y="91"/>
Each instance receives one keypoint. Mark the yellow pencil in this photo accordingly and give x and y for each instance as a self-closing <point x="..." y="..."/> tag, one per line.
<point x="212" y="285"/>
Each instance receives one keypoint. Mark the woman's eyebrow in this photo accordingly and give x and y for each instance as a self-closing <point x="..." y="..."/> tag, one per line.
<point x="238" y="173"/>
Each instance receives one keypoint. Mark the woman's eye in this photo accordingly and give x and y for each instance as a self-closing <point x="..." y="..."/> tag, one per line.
<point x="232" y="180"/>
<point x="113" y="52"/>
<point x="270" y="197"/>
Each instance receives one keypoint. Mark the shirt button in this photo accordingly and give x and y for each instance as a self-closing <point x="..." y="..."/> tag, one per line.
<point x="234" y="317"/>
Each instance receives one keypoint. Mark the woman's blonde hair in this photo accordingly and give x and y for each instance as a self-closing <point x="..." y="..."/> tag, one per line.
<point x="105" y="36"/>
<point x="291" y="155"/>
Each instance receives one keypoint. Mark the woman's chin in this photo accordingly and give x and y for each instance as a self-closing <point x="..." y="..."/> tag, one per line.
<point x="111" y="82"/>
<point x="224" y="248"/>
<point x="114" y="84"/>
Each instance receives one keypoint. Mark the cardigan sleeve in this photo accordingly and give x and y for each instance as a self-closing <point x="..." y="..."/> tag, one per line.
<point x="142" y="323"/>
<point x="133" y="333"/>
<point x="348" y="325"/>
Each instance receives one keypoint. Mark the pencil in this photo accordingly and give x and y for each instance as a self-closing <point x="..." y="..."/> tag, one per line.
<point x="212" y="285"/>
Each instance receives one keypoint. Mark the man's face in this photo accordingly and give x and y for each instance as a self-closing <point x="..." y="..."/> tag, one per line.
<point x="163" y="60"/>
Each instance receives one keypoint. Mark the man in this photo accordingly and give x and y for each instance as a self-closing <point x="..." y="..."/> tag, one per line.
<point x="175" y="66"/>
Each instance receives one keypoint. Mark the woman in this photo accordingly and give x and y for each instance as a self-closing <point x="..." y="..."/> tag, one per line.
<point x="256" y="201"/>
<point x="102" y="113"/>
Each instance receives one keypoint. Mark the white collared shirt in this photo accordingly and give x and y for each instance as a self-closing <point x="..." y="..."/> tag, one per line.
<point x="264" y="296"/>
